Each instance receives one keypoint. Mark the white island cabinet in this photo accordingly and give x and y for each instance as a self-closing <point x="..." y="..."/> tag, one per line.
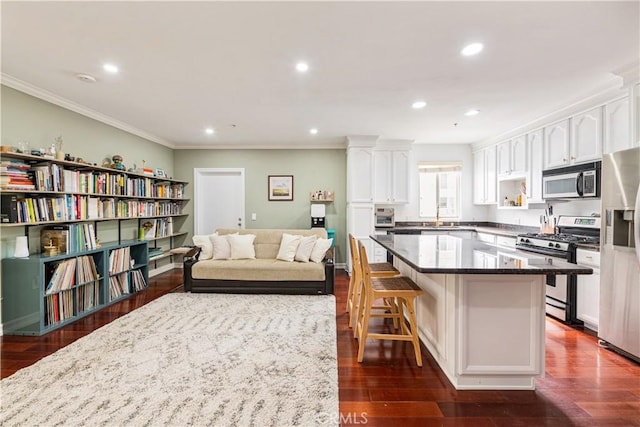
<point x="483" y="322"/>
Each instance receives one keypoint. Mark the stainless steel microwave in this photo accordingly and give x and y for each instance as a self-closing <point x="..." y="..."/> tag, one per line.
<point x="572" y="182"/>
<point x="384" y="217"/>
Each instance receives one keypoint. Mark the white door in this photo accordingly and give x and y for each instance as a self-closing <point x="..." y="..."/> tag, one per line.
<point x="218" y="199"/>
<point x="586" y="136"/>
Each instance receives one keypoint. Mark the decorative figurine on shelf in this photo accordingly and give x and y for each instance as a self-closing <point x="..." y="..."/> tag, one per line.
<point x="117" y="163"/>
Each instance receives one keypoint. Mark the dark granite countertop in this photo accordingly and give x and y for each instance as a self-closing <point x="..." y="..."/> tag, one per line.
<point x="481" y="227"/>
<point x="448" y="254"/>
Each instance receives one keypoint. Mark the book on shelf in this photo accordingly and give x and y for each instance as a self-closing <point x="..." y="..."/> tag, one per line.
<point x="9" y="208"/>
<point x="55" y="236"/>
<point x="138" y="282"/>
<point x="15" y="175"/>
<point x="61" y="276"/>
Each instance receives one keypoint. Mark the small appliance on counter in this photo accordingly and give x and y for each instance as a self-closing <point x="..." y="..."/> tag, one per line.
<point x="318" y="214"/>
<point x="384" y="217"/>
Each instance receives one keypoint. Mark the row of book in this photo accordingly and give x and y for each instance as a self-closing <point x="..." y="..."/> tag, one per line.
<point x="65" y="274"/>
<point x="88" y="296"/>
<point x="137" y="281"/>
<point x="157" y="227"/>
<point x="118" y="285"/>
<point x="120" y="260"/>
<point x="54" y="177"/>
<point x="68" y="238"/>
<point x="14" y="175"/>
<point x="58" y="307"/>
<point x="72" y="207"/>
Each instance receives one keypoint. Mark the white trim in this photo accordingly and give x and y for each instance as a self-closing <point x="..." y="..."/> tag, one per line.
<point x="164" y="268"/>
<point x="239" y="146"/>
<point x="52" y="98"/>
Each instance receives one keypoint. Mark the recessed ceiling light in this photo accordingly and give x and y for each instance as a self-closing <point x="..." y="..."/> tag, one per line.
<point x="473" y="112"/>
<point x="209" y="131"/>
<point x="302" y="67"/>
<point x="313" y="131"/>
<point x="418" y="104"/>
<point x="86" y="78"/>
<point x="472" y="49"/>
<point x="110" y="68"/>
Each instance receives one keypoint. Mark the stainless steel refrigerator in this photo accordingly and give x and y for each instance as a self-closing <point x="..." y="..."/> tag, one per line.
<point x="619" y="325"/>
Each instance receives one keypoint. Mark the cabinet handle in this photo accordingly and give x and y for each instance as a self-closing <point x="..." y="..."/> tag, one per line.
<point x="564" y="160"/>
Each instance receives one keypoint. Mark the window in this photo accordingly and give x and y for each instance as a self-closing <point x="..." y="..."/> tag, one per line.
<point x="440" y="190"/>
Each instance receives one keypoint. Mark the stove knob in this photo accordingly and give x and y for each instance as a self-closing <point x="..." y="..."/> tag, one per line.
<point x="558" y="245"/>
<point x="550" y="245"/>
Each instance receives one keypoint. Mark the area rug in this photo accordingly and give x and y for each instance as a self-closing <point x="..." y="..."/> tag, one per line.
<point x="190" y="359"/>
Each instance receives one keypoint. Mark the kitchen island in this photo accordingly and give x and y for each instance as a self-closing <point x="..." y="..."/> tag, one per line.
<point x="482" y="316"/>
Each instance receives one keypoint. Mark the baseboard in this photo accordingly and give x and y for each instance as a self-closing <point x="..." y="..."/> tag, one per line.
<point x="341" y="265"/>
<point x="164" y="268"/>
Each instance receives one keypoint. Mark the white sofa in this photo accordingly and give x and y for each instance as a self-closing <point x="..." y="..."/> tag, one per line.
<point x="265" y="273"/>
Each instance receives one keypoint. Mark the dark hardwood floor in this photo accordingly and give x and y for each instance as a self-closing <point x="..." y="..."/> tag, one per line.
<point x="585" y="385"/>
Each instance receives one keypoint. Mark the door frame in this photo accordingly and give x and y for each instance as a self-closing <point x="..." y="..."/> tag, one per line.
<point x="202" y="172"/>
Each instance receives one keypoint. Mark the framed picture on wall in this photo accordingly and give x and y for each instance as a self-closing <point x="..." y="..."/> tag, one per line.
<point x="280" y="187"/>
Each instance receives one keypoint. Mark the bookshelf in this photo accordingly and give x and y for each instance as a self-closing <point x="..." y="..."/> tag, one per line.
<point x="42" y="293"/>
<point x="40" y="192"/>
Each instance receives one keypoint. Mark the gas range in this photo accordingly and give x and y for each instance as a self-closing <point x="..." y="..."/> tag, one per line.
<point x="573" y="230"/>
<point x="561" y="291"/>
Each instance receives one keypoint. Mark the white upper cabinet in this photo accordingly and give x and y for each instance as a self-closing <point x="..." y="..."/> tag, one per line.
<point x="391" y="176"/>
<point x="535" y="143"/>
<point x="484" y="176"/>
<point x="512" y="158"/>
<point x="360" y="174"/>
<point x="586" y="136"/>
<point x="504" y="158"/>
<point x="400" y="177"/>
<point x="617" y="126"/>
<point x="556" y="144"/>
<point x="519" y="155"/>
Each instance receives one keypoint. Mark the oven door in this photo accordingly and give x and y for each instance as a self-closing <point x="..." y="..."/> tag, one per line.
<point x="556" y="293"/>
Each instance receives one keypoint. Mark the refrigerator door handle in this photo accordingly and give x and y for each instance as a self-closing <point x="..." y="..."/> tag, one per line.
<point x="636" y="225"/>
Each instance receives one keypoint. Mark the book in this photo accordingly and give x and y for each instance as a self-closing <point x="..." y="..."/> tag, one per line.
<point x="57" y="236"/>
<point x="9" y="209"/>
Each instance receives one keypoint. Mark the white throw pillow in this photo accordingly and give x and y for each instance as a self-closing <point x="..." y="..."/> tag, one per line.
<point x="242" y="246"/>
<point x="319" y="249"/>
<point x="204" y="243"/>
<point x="305" y="247"/>
<point x="288" y="246"/>
<point x="221" y="248"/>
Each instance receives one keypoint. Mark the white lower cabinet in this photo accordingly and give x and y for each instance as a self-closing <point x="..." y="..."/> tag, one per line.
<point x="588" y="305"/>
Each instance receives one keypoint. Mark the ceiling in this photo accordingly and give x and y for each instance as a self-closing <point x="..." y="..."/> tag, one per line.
<point x="186" y="66"/>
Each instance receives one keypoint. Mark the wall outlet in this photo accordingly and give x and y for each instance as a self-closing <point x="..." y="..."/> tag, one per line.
<point x="254" y="216"/>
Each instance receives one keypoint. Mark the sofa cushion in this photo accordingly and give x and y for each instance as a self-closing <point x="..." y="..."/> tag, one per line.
<point x="242" y="246"/>
<point x="319" y="249"/>
<point x="257" y="270"/>
<point x="221" y="247"/>
<point x="204" y="243"/>
<point x="267" y="241"/>
<point x="288" y="247"/>
<point x="305" y="247"/>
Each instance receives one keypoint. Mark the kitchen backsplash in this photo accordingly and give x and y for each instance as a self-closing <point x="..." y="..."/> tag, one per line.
<point x="531" y="216"/>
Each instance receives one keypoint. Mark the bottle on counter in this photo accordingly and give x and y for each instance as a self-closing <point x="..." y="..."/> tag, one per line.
<point x="505" y="202"/>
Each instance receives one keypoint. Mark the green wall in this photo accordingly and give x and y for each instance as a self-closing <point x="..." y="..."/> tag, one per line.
<point x="312" y="170"/>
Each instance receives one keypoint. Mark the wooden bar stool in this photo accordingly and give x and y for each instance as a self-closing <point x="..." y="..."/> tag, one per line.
<point x="400" y="289"/>
<point x="385" y="269"/>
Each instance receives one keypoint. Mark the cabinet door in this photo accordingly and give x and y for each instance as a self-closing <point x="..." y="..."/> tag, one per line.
<point x="400" y="177"/>
<point x="586" y="136"/>
<point x="556" y="145"/>
<point x="479" y="179"/>
<point x="491" y="175"/>
<point x="534" y="171"/>
<point x="617" y="126"/>
<point x="382" y="176"/>
<point x="360" y="220"/>
<point x="588" y="304"/>
<point x="519" y="155"/>
<point x="504" y="158"/>
<point x="360" y="174"/>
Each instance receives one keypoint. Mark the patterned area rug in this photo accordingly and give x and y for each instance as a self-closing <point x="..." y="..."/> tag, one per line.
<point x="190" y="359"/>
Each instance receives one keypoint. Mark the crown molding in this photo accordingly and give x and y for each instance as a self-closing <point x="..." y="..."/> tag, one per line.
<point x="601" y="97"/>
<point x="293" y="146"/>
<point x="52" y="98"/>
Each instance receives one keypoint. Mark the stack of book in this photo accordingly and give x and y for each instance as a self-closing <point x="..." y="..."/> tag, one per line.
<point x="14" y="175"/>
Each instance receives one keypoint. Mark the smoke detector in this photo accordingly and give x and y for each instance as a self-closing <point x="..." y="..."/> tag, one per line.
<point x="86" y="78"/>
